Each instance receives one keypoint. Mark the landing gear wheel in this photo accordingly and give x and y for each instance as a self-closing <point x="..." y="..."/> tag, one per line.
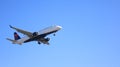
<point x="48" y="43"/>
<point x="39" y="43"/>
<point x="47" y="39"/>
<point x="53" y="34"/>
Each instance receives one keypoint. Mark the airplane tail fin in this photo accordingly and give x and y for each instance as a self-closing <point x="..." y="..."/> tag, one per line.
<point x="16" y="36"/>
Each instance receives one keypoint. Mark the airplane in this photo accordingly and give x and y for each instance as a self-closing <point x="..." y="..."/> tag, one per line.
<point x="39" y="36"/>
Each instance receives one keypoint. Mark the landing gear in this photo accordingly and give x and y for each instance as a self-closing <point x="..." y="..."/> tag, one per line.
<point x="47" y="39"/>
<point x="48" y="43"/>
<point x="54" y="34"/>
<point x="39" y="43"/>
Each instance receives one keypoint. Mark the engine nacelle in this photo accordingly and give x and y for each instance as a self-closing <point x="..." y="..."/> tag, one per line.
<point x="47" y="39"/>
<point x="35" y="33"/>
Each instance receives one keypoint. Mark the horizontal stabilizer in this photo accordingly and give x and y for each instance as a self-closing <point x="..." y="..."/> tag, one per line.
<point x="13" y="41"/>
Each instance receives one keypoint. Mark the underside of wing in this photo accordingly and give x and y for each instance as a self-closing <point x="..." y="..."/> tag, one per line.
<point x="40" y="39"/>
<point x="36" y="38"/>
<point x="29" y="34"/>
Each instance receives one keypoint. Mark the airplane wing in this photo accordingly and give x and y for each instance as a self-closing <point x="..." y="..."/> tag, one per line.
<point x="29" y="34"/>
<point x="39" y="38"/>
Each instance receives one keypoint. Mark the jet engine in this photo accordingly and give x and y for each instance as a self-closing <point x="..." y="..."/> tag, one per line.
<point x="35" y="33"/>
<point x="47" y="39"/>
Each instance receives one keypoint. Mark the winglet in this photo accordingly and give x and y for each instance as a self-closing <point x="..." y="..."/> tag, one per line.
<point x="10" y="26"/>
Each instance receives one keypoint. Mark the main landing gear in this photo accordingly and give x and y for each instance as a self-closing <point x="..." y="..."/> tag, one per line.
<point x="39" y="43"/>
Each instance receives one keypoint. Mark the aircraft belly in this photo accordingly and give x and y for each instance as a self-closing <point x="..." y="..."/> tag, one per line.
<point x="22" y="39"/>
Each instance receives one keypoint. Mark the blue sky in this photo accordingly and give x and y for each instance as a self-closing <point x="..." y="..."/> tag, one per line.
<point x="90" y="36"/>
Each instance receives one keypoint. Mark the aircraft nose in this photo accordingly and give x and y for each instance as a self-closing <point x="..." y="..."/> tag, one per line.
<point x="59" y="27"/>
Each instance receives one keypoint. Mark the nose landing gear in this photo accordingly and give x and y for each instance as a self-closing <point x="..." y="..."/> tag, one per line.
<point x="54" y="34"/>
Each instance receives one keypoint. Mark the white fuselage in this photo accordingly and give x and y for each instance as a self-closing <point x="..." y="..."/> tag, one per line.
<point x="44" y="31"/>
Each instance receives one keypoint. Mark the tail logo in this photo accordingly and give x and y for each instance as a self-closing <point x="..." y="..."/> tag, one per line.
<point x="16" y="36"/>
